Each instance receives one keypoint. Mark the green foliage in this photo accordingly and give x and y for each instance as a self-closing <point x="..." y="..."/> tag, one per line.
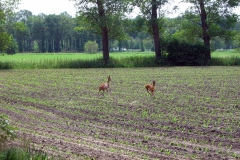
<point x="6" y="65"/>
<point x="25" y="153"/>
<point x="237" y="39"/>
<point x="5" y="40"/>
<point x="187" y="31"/>
<point x="90" y="19"/>
<point x="4" y="36"/>
<point x="6" y="8"/>
<point x="219" y="19"/>
<point x="20" y="26"/>
<point x="2" y="19"/>
<point x="12" y="47"/>
<point x="148" y="44"/>
<point x="7" y="132"/>
<point x="91" y="47"/>
<point x="182" y="53"/>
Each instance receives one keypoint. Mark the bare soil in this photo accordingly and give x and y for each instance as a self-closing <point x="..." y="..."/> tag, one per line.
<point x="62" y="114"/>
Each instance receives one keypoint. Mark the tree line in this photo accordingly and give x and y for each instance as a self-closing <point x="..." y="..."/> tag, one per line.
<point x="210" y="23"/>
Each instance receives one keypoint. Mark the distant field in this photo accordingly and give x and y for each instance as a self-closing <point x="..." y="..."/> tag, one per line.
<point x="226" y="54"/>
<point x="26" y="57"/>
<point x="84" y="60"/>
<point x="22" y="57"/>
<point x="195" y="113"/>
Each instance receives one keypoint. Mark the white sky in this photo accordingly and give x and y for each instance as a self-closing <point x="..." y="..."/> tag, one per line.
<point x="58" y="6"/>
<point x="48" y="6"/>
<point x="55" y="7"/>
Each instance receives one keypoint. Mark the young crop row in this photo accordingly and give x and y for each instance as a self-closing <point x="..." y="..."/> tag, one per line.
<point x="195" y="112"/>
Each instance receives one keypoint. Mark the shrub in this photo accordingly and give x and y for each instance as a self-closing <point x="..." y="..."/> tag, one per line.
<point x="6" y="65"/>
<point x="225" y="61"/>
<point x="7" y="132"/>
<point x="91" y="47"/>
<point x="182" y="53"/>
<point x="25" y="154"/>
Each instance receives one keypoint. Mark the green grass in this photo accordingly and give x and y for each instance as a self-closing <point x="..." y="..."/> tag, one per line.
<point x="233" y="53"/>
<point x="39" y="57"/>
<point x="22" y="154"/>
<point x="76" y="60"/>
<point x="84" y="60"/>
<point x="46" y="56"/>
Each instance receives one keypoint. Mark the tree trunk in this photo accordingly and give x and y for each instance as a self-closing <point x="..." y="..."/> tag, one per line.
<point x="43" y="45"/>
<point x="206" y="37"/>
<point x="105" y="37"/>
<point x="57" y="47"/>
<point x="50" y="46"/>
<point x="105" y="44"/>
<point x="155" y="29"/>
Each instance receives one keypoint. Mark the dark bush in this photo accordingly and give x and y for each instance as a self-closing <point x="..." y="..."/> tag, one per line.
<point x="185" y="54"/>
<point x="6" y="65"/>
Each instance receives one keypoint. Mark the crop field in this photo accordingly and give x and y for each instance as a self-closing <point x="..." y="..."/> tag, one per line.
<point x="195" y="113"/>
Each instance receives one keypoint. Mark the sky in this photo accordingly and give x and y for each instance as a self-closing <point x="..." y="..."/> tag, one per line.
<point x="58" y="6"/>
<point x="48" y="6"/>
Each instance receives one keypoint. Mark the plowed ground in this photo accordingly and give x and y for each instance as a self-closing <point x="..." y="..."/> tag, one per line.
<point x="195" y="113"/>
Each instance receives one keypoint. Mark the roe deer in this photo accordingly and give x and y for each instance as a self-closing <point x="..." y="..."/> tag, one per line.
<point x="104" y="86"/>
<point x="150" y="88"/>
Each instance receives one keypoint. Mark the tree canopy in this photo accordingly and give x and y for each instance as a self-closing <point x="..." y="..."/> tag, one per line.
<point x="6" y="9"/>
<point x="213" y="18"/>
<point x="102" y="17"/>
<point x="113" y="30"/>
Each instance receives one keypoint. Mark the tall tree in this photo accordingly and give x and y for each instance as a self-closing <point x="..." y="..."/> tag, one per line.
<point x="23" y="36"/>
<point x="6" y="9"/>
<point x="102" y="17"/>
<point x="4" y="37"/>
<point x="57" y="27"/>
<point x="51" y="23"/>
<point x="151" y="9"/>
<point x="215" y="16"/>
<point x="237" y="36"/>
<point x="38" y="32"/>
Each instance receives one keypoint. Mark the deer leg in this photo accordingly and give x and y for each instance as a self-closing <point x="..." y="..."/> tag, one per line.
<point x="148" y="91"/>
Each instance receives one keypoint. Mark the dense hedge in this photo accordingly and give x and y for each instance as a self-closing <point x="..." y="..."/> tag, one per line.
<point x="185" y="54"/>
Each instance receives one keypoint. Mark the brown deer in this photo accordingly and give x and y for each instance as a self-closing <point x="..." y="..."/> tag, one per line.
<point x="150" y="88"/>
<point x="104" y="86"/>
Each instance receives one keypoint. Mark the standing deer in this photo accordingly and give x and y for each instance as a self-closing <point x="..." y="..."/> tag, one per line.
<point x="150" y="88"/>
<point x="104" y="86"/>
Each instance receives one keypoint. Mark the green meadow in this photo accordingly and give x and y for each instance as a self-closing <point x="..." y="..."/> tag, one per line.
<point x="26" y="57"/>
<point x="117" y="60"/>
<point x="218" y="54"/>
